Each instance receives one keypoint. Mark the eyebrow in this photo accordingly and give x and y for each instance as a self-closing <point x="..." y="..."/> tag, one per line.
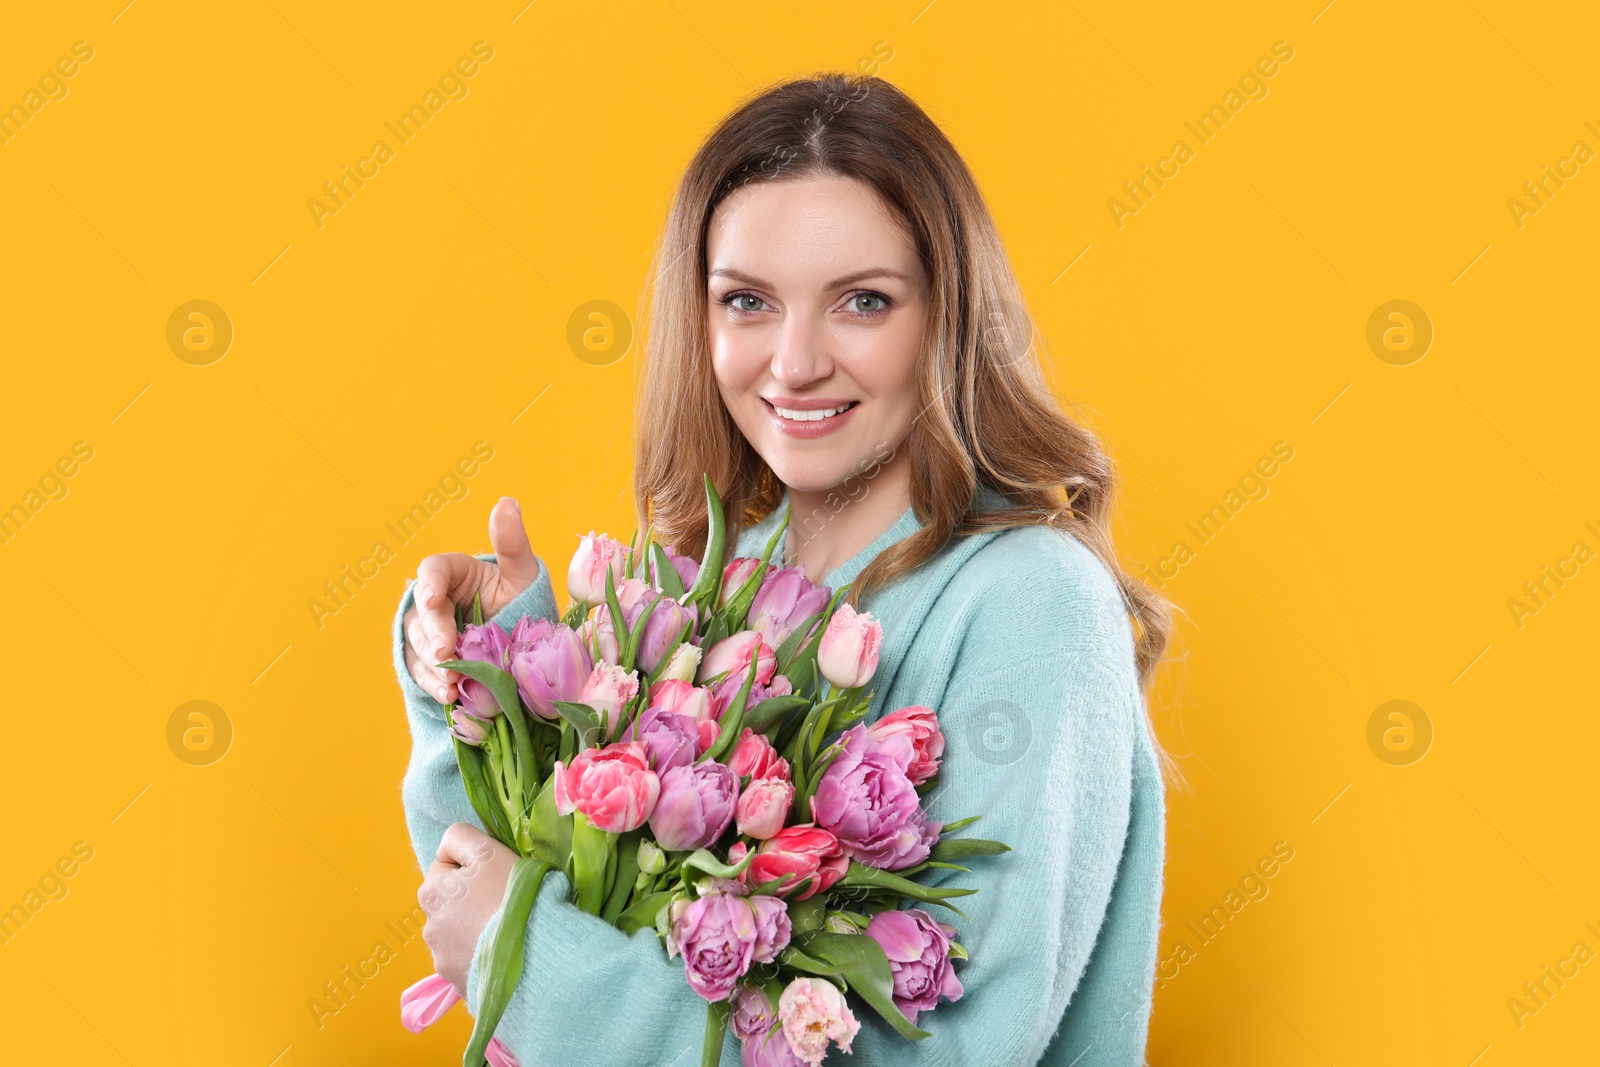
<point x="837" y="283"/>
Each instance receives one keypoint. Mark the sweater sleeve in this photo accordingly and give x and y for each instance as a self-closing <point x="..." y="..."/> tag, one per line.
<point x="578" y="971"/>
<point x="1039" y="715"/>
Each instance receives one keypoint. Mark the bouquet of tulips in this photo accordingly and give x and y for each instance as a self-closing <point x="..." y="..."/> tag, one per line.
<point x="687" y="745"/>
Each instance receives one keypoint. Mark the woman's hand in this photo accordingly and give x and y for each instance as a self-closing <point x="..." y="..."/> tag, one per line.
<point x="450" y="578"/>
<point x="462" y="891"/>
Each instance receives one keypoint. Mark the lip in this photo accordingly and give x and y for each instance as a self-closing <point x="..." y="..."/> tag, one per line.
<point x="807" y="430"/>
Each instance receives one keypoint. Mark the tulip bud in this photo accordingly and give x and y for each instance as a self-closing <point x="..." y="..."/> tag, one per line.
<point x="838" y="924"/>
<point x="683" y="664"/>
<point x="651" y="859"/>
<point x="847" y="656"/>
<point x="467" y="729"/>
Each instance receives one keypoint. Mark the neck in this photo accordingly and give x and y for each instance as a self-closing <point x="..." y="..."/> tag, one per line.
<point x="828" y="527"/>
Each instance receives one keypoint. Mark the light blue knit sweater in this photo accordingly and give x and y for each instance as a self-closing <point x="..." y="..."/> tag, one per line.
<point x="1019" y="640"/>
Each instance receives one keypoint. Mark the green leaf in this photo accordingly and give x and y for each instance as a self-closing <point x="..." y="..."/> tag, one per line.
<point x="550" y="833"/>
<point x="959" y="824"/>
<point x="630" y="649"/>
<point x="627" y="853"/>
<point x="474" y="777"/>
<point x="666" y="657"/>
<point x="716" y="1033"/>
<point x="872" y="878"/>
<point x="667" y="576"/>
<point x="477" y="610"/>
<point x="641" y="914"/>
<point x="591" y="852"/>
<point x="771" y="710"/>
<point x="707" y="584"/>
<point x="500" y="971"/>
<point x="703" y="860"/>
<point x="961" y="847"/>
<point x="586" y="721"/>
<point x="865" y="968"/>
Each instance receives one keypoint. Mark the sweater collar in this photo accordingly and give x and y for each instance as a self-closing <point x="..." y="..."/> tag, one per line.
<point x="754" y="538"/>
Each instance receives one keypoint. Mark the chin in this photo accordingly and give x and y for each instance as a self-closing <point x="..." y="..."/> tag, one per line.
<point x="811" y="474"/>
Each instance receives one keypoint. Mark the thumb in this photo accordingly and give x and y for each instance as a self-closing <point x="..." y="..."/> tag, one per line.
<point x="509" y="539"/>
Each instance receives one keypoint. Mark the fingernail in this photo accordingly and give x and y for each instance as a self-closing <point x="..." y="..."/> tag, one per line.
<point x="425" y="592"/>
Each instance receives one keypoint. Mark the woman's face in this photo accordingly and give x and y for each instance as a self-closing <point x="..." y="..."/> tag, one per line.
<point x="816" y="303"/>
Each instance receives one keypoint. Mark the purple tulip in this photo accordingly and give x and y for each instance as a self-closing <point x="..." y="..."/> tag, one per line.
<point x="919" y="957"/>
<point x="769" y="1049"/>
<point x="773" y="929"/>
<point x="866" y="800"/>
<point x="753" y="1013"/>
<point x="661" y="629"/>
<point x="717" y="935"/>
<point x="695" y="806"/>
<point x="552" y="665"/>
<point x="786" y="600"/>
<point x="671" y="739"/>
<point x="483" y="644"/>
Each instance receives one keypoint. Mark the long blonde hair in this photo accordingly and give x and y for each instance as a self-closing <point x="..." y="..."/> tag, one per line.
<point x="979" y="378"/>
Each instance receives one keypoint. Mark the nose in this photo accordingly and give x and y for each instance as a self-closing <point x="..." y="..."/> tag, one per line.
<point x="800" y="354"/>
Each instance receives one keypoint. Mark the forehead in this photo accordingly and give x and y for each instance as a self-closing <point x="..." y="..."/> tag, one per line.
<point x="800" y="227"/>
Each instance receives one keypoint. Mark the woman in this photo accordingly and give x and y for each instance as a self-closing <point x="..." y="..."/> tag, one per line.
<point x="828" y="252"/>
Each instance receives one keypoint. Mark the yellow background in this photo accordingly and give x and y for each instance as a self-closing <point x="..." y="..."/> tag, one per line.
<point x="430" y="312"/>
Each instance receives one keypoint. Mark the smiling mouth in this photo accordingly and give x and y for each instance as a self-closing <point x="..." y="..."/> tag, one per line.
<point x="793" y="415"/>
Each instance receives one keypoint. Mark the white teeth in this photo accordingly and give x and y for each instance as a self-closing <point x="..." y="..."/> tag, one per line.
<point x="808" y="416"/>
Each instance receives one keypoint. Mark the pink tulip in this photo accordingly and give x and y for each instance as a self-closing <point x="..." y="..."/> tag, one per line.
<point x="814" y="1013"/>
<point x="586" y="576"/>
<point x="735" y="574"/>
<point x="684" y="698"/>
<point x="920" y="726"/>
<point x="734" y="655"/>
<point x="608" y="690"/>
<point x="498" y="1055"/>
<point x="599" y="638"/>
<point x="754" y="757"/>
<point x="763" y="806"/>
<point x="614" y="786"/>
<point x="848" y="654"/>
<point x="424" y="1003"/>
<point x="791" y="855"/>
